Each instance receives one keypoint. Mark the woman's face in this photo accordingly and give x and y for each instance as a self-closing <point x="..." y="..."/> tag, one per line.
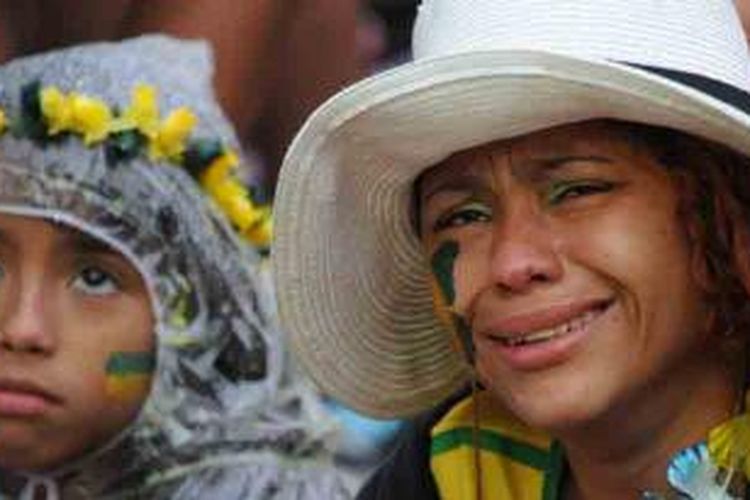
<point x="564" y="254"/>
<point x="76" y="343"/>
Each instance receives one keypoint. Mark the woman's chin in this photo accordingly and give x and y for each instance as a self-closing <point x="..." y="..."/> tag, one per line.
<point x="556" y="414"/>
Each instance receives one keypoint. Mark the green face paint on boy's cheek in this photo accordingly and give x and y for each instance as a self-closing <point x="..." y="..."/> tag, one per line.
<point x="129" y="374"/>
<point x="443" y="267"/>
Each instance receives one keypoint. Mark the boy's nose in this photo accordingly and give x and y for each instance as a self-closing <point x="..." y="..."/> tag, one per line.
<point x="23" y="325"/>
<point x="523" y="253"/>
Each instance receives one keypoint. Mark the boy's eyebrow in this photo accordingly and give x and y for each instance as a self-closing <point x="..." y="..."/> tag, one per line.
<point x="83" y="243"/>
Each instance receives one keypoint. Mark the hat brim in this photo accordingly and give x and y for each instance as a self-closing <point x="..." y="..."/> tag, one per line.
<point x="352" y="282"/>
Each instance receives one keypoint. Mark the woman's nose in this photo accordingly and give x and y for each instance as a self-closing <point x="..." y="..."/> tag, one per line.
<point x="524" y="252"/>
<point x="23" y="323"/>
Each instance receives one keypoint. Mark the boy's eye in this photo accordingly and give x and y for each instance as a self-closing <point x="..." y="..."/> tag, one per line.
<point x="93" y="280"/>
<point x="566" y="190"/>
<point x="462" y="215"/>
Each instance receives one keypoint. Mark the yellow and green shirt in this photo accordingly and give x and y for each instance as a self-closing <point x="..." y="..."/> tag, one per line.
<point x="517" y="462"/>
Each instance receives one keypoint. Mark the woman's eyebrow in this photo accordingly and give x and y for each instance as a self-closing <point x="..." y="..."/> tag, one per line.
<point x="536" y="168"/>
<point x="455" y="183"/>
<point x="556" y="162"/>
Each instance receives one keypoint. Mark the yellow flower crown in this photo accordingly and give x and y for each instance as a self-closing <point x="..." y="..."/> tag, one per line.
<point x="48" y="112"/>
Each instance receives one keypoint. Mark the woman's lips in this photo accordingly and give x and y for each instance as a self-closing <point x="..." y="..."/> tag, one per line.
<point x="19" y="398"/>
<point x="541" y="339"/>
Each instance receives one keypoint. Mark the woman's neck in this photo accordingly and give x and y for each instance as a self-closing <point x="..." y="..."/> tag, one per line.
<point x="628" y="450"/>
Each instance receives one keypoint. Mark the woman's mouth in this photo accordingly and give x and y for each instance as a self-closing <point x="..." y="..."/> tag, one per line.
<point x="544" y="338"/>
<point x="516" y="339"/>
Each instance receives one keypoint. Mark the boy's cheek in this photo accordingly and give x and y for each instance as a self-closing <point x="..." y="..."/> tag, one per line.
<point x="128" y="375"/>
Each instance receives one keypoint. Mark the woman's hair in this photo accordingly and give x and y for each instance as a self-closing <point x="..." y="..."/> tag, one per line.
<point x="714" y="186"/>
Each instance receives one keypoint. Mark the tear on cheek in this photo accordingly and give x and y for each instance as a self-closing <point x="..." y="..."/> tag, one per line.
<point x="129" y="374"/>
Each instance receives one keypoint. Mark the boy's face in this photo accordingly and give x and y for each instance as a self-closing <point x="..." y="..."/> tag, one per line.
<point x="76" y="343"/>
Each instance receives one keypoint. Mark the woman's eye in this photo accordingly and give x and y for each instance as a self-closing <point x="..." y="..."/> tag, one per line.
<point x="95" y="281"/>
<point x="567" y="190"/>
<point x="463" y="215"/>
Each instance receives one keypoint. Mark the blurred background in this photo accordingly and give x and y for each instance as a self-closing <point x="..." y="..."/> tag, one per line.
<point x="276" y="59"/>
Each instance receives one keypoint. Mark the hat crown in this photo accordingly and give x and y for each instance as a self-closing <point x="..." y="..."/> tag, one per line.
<point x="698" y="36"/>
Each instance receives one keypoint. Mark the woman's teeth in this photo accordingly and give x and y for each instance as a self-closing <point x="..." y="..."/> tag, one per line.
<point x="578" y="323"/>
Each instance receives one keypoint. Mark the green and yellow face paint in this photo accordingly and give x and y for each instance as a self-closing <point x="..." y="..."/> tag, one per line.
<point x="129" y="375"/>
<point x="444" y="295"/>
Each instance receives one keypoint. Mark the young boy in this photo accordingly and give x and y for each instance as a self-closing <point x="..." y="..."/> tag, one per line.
<point x="137" y="359"/>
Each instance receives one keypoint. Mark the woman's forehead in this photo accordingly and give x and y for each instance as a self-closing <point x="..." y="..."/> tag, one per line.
<point x="538" y="150"/>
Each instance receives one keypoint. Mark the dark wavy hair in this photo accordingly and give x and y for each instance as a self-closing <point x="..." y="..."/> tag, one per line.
<point x="714" y="186"/>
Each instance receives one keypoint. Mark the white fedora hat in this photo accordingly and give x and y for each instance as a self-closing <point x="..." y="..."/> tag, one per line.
<point x="352" y="283"/>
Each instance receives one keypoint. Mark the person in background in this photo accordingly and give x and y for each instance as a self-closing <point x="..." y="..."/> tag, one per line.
<point x="537" y="233"/>
<point x="138" y="357"/>
<point x="275" y="59"/>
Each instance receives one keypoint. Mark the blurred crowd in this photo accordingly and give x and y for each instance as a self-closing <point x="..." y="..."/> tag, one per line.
<point x="276" y="59"/>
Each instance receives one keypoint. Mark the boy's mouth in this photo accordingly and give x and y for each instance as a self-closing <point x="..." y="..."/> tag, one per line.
<point x="20" y="398"/>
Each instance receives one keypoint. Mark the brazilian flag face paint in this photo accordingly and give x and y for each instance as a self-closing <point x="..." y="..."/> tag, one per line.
<point x="443" y="267"/>
<point x="129" y="374"/>
<point x="443" y="262"/>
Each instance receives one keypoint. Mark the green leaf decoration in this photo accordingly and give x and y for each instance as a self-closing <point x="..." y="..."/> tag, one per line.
<point x="31" y="122"/>
<point x="258" y="195"/>
<point x="123" y="146"/>
<point x="199" y="154"/>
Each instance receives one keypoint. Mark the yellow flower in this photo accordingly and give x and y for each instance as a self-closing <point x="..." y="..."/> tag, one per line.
<point x="233" y="199"/>
<point x="57" y="110"/>
<point x="3" y="121"/>
<point x="142" y="113"/>
<point x="729" y="444"/>
<point x="221" y="168"/>
<point x="91" y="118"/>
<point x="167" y="138"/>
<point x="260" y="234"/>
<point x="73" y="112"/>
<point x="169" y="141"/>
